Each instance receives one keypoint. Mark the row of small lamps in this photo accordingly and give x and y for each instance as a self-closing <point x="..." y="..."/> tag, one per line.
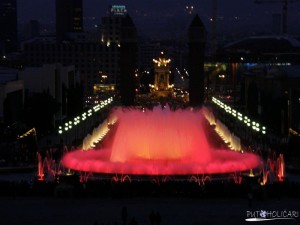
<point x="246" y="120"/>
<point x="76" y="120"/>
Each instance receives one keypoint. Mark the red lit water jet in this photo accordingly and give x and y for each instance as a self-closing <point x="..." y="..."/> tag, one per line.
<point x="40" y="174"/>
<point x="160" y="142"/>
<point x="280" y="168"/>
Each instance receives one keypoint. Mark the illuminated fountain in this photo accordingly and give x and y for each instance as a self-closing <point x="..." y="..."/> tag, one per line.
<point x="159" y="142"/>
<point x="97" y="134"/>
<point x="40" y="173"/>
<point x="222" y="130"/>
<point x="280" y="168"/>
<point x="273" y="170"/>
<point x="48" y="169"/>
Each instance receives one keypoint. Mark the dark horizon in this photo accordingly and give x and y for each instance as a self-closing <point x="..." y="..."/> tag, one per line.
<point x="174" y="18"/>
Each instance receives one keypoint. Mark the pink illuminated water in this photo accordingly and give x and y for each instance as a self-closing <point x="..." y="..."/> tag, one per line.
<point x="160" y="142"/>
<point x="40" y="174"/>
<point x="280" y="168"/>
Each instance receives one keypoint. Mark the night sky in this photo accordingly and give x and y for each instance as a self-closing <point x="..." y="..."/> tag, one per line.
<point x="167" y="16"/>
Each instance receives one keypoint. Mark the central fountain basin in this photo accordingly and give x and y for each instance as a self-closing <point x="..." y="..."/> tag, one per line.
<point x="160" y="142"/>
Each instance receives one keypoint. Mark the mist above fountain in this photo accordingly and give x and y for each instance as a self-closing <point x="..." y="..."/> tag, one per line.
<point x="159" y="142"/>
<point x="159" y="135"/>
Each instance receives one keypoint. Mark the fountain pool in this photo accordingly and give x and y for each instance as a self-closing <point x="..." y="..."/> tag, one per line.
<point x="159" y="142"/>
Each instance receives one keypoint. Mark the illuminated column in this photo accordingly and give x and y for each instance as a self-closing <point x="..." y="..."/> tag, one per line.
<point x="162" y="87"/>
<point x="162" y="72"/>
<point x="196" y="43"/>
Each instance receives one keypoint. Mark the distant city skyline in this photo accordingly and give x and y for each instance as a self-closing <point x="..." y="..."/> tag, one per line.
<point x="171" y="17"/>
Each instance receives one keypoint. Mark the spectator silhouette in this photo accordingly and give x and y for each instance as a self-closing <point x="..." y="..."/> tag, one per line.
<point x="158" y="218"/>
<point x="152" y="218"/>
<point x="250" y="199"/>
<point x="133" y="221"/>
<point x="124" y="214"/>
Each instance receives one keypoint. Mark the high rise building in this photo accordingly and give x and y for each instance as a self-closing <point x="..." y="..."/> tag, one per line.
<point x="96" y="59"/>
<point x="85" y="54"/>
<point x="111" y="24"/>
<point x="196" y="43"/>
<point x="69" y="18"/>
<point x="111" y="37"/>
<point x="8" y="24"/>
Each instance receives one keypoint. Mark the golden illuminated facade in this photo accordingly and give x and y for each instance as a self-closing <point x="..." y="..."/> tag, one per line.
<point x="161" y="86"/>
<point x="100" y="88"/>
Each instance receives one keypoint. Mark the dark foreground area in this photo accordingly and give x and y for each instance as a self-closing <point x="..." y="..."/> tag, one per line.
<point x="173" y="211"/>
<point x="201" y="200"/>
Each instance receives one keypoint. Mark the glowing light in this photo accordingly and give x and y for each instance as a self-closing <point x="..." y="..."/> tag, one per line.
<point x="162" y="61"/>
<point x="159" y="142"/>
<point x="251" y="174"/>
<point x="118" y="10"/>
<point x="234" y="113"/>
<point x="31" y="131"/>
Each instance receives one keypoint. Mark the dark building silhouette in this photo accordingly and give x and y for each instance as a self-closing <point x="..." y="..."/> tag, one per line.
<point x="12" y="95"/>
<point x="262" y="49"/>
<point x="32" y="29"/>
<point x="68" y="18"/>
<point x="276" y="23"/>
<point x="128" y="58"/>
<point x="196" y="44"/>
<point x="93" y="57"/>
<point x="8" y="24"/>
<point x="272" y="96"/>
<point x="86" y="55"/>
